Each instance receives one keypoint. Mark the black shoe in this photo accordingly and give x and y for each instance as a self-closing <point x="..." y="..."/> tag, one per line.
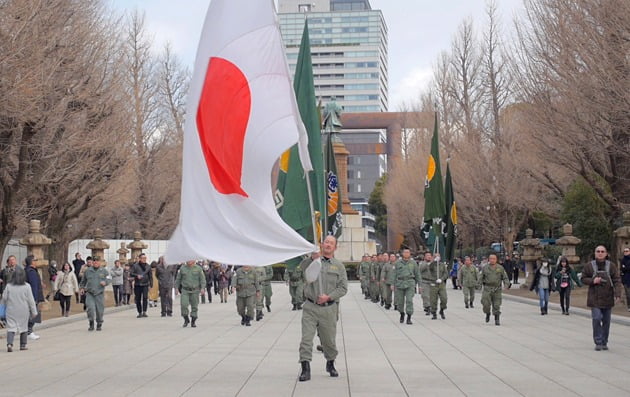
<point x="186" y="321"/>
<point x="388" y="306"/>
<point x="604" y="347"/>
<point x="193" y="322"/>
<point x="169" y="314"/>
<point x="496" y="319"/>
<point x="248" y="321"/>
<point x="319" y="348"/>
<point x="268" y="309"/>
<point x="487" y="317"/>
<point x="433" y="316"/>
<point x="259" y="315"/>
<point x="99" y="326"/>
<point x="382" y="302"/>
<point x="598" y="347"/>
<point x="467" y="306"/>
<point x="299" y="306"/>
<point x="306" y="371"/>
<point x="144" y="314"/>
<point x="471" y="305"/>
<point x="139" y="315"/>
<point x="91" y="328"/>
<point x="242" y="320"/>
<point x="402" y="317"/>
<point x="330" y="368"/>
<point x="294" y="307"/>
<point x="442" y="314"/>
<point x="163" y="315"/>
<point x="542" y="311"/>
<point x="409" y="319"/>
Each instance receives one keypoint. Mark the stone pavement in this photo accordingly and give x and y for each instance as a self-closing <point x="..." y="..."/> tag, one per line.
<point x="529" y="355"/>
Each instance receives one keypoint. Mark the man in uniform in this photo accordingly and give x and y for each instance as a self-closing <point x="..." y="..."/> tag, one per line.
<point x="438" y="274"/>
<point x="364" y="275"/>
<point x="265" y="275"/>
<point x="468" y="280"/>
<point x="406" y="278"/>
<point x="190" y="281"/>
<point x="493" y="277"/>
<point x="425" y="283"/>
<point x="321" y="309"/>
<point x="293" y="277"/>
<point x="92" y="286"/>
<point x="374" y="270"/>
<point x="247" y="291"/>
<point x="387" y="280"/>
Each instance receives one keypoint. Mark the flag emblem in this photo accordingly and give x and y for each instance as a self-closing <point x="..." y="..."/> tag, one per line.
<point x="332" y="195"/>
<point x="430" y="171"/>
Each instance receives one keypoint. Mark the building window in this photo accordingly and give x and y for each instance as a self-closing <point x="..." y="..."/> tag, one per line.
<point x="358" y="188"/>
<point x="305" y="7"/>
<point x="358" y="174"/>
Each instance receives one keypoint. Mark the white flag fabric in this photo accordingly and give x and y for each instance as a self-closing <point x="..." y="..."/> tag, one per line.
<point x="242" y="115"/>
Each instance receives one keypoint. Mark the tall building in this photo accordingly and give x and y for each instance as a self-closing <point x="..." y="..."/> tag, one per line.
<point x="349" y="53"/>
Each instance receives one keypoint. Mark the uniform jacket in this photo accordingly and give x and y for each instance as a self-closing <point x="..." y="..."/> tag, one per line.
<point x="265" y="274"/>
<point x="388" y="273"/>
<point x="92" y="278"/>
<point x="364" y="271"/>
<point x="190" y="278"/>
<point x="144" y="270"/>
<point x="20" y="307"/>
<point x="66" y="283"/>
<point x="468" y="276"/>
<point x="374" y="271"/>
<point x="438" y="271"/>
<point x="117" y="275"/>
<point x="247" y="282"/>
<point x="293" y="276"/>
<point x="407" y="274"/>
<point x="602" y="295"/>
<point x="425" y="275"/>
<point x="492" y="278"/>
<point x="334" y="280"/>
<point x="571" y="277"/>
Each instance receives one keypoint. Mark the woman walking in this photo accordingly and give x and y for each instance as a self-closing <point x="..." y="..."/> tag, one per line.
<point x="67" y="285"/>
<point x="565" y="277"/>
<point x="20" y="307"/>
<point x="127" y="285"/>
<point x="225" y="276"/>
<point x="543" y="283"/>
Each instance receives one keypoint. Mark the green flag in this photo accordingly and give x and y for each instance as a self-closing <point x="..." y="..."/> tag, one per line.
<point x="333" y="193"/>
<point x="434" y="209"/>
<point x="451" y="217"/>
<point x="291" y="195"/>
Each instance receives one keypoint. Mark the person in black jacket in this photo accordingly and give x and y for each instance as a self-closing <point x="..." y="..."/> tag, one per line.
<point x="142" y="281"/>
<point x="33" y="279"/>
<point x="543" y="284"/>
<point x="625" y="274"/>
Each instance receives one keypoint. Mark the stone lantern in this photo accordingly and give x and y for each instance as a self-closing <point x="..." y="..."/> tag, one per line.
<point x="622" y="237"/>
<point x="122" y="253"/>
<point x="136" y="246"/>
<point x="35" y="243"/>
<point x="98" y="246"/>
<point x="568" y="243"/>
<point x="532" y="252"/>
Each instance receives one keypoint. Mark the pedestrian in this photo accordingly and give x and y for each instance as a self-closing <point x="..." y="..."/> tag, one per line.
<point x="425" y="282"/>
<point x="439" y="274"/>
<point x="154" y="288"/>
<point x="468" y="280"/>
<point x="543" y="284"/>
<point x="406" y="279"/>
<point x="247" y="291"/>
<point x="216" y="270"/>
<point x="364" y="276"/>
<point x="294" y="278"/>
<point x="52" y="276"/>
<point x="67" y="285"/>
<point x="33" y="279"/>
<point x="117" y="282"/>
<point x="493" y="278"/>
<point x="190" y="282"/>
<point x="77" y="264"/>
<point x="387" y="280"/>
<point x="5" y="274"/>
<point x="373" y="278"/>
<point x="453" y="273"/>
<point x="224" y="282"/>
<point x="166" y="279"/>
<point x="509" y="265"/>
<point x="93" y="284"/>
<point x="127" y="284"/>
<point x="84" y="268"/>
<point x="625" y="274"/>
<point x="142" y="281"/>
<point x="604" y="290"/>
<point x="265" y="275"/>
<point x="321" y="309"/>
<point x="20" y="307"/>
<point x="565" y="278"/>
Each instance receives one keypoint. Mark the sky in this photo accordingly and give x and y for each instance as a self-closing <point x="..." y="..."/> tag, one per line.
<point x="419" y="30"/>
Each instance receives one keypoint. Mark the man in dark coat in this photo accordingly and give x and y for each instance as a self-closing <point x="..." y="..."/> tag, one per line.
<point x="32" y="278"/>
<point x="625" y="274"/>
<point x="142" y="281"/>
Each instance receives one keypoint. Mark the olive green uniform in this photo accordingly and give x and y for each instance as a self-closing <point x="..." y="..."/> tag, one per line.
<point x="492" y="280"/>
<point x="189" y="282"/>
<point x="247" y="285"/>
<point x="265" y="275"/>
<point x="387" y="280"/>
<point x="407" y="276"/>
<point x="364" y="276"/>
<point x="332" y="281"/>
<point x="425" y="285"/>
<point x="374" y="280"/>
<point x="468" y="281"/>
<point x="294" y="277"/>
<point x="94" y="298"/>
<point x="438" y="274"/>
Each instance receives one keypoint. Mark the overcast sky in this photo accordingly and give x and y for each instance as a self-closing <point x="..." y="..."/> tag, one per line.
<point x="418" y="31"/>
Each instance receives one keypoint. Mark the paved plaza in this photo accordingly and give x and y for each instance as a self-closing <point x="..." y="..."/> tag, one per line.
<point x="528" y="355"/>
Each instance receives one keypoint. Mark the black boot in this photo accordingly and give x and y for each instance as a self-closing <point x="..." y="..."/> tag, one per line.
<point x="496" y="319"/>
<point x="471" y="304"/>
<point x="242" y="320"/>
<point x="402" y="317"/>
<point x="186" y="321"/>
<point x="268" y="308"/>
<point x="299" y="306"/>
<point x="259" y="315"/>
<point x="546" y="312"/>
<point x="99" y="326"/>
<point x="306" y="371"/>
<point x="330" y="368"/>
<point x="442" y="314"/>
<point x="434" y="316"/>
<point x="409" y="319"/>
<point x="248" y="321"/>
<point x="294" y="307"/>
<point x="542" y="311"/>
<point x="487" y="317"/>
<point x="427" y="311"/>
<point x="91" y="328"/>
<point x="467" y="305"/>
<point x="193" y="322"/>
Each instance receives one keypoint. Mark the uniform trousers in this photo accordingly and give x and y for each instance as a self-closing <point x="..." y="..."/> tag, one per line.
<point x="189" y="298"/>
<point x="405" y="299"/>
<point x="438" y="291"/>
<point x="469" y="294"/>
<point x="323" y="321"/>
<point x="95" y="305"/>
<point x="491" y="298"/>
<point x="245" y="305"/>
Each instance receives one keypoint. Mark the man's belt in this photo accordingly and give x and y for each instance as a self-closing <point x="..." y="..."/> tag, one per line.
<point x="322" y="304"/>
<point x="406" y="278"/>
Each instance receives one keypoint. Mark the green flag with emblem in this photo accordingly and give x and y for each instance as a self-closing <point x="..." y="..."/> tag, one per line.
<point x="451" y="216"/>
<point x="334" y="222"/>
<point x="434" y="209"/>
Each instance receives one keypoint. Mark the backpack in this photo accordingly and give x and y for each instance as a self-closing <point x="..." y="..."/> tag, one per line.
<point x="607" y="269"/>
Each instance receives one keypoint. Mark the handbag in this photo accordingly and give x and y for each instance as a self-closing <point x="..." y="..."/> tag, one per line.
<point x="57" y="296"/>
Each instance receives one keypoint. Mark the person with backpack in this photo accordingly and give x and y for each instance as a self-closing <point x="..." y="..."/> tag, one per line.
<point x="604" y="289"/>
<point x="566" y="278"/>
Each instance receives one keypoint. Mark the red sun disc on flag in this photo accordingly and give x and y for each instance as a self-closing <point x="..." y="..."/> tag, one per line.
<point x="222" y="118"/>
